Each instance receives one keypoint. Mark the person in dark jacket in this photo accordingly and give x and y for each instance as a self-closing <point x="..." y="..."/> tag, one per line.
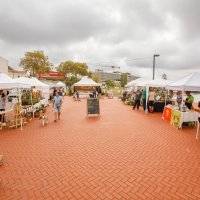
<point x="138" y="95"/>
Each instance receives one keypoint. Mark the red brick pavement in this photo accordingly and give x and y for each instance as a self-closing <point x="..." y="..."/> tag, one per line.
<point x="123" y="154"/>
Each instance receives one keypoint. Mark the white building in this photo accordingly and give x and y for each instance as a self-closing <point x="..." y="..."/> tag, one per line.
<point x="3" y="65"/>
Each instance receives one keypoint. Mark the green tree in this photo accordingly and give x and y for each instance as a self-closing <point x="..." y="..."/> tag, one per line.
<point x="35" y="62"/>
<point x="95" y="78"/>
<point x="73" y="69"/>
<point x="110" y="83"/>
<point x="70" y="81"/>
<point x="123" y="79"/>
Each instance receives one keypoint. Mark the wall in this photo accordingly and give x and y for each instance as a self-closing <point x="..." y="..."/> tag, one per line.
<point x="3" y="65"/>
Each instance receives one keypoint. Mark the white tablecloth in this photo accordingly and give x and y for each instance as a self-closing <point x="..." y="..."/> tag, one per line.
<point x="190" y="116"/>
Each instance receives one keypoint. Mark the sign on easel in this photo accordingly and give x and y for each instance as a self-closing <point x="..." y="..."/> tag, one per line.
<point x="93" y="107"/>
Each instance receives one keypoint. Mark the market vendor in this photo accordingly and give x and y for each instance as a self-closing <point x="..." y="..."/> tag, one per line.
<point x="2" y="105"/>
<point x="151" y="99"/>
<point x="179" y="98"/>
<point x="189" y="100"/>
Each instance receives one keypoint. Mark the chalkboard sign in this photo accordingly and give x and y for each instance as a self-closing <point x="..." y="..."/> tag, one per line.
<point x="93" y="107"/>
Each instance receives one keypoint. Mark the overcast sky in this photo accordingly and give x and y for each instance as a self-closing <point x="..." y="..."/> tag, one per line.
<point x="105" y="32"/>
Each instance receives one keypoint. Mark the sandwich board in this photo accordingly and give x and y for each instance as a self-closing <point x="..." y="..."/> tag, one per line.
<point x="93" y="107"/>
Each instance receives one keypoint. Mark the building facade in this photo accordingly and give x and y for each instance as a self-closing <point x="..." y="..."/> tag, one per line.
<point x="102" y="76"/>
<point x="3" y="65"/>
<point x="15" y="73"/>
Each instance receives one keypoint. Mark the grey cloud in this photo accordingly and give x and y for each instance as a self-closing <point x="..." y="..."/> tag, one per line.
<point x="96" y="31"/>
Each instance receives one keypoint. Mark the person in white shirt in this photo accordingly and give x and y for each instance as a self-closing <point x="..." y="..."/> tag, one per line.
<point x="151" y="99"/>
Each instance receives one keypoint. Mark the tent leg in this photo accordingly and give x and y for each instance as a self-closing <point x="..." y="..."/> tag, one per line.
<point x="197" y="134"/>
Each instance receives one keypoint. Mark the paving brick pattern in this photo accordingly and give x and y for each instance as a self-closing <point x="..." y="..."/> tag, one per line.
<point x="123" y="154"/>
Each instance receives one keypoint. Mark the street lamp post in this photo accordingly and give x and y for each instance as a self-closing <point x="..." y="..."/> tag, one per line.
<point x="155" y="55"/>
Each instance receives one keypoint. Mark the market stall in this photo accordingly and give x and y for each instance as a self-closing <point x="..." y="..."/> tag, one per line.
<point x="188" y="83"/>
<point x="60" y="84"/>
<point x="161" y="96"/>
<point x="33" y="99"/>
<point x="10" y="116"/>
<point x="85" y="87"/>
<point x="44" y="88"/>
<point x="133" y="84"/>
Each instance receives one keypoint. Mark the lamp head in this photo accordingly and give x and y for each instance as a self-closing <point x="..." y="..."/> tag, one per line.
<point x="156" y="55"/>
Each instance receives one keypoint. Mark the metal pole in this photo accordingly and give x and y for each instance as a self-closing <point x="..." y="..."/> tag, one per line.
<point x="155" y="55"/>
<point x="153" y="66"/>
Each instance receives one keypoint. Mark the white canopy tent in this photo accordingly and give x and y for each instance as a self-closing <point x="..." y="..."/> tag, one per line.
<point x="188" y="83"/>
<point x="85" y="81"/>
<point x="153" y="83"/>
<point x="60" y="84"/>
<point x="7" y="83"/>
<point x="84" y="86"/>
<point x="26" y="80"/>
<point x="23" y="83"/>
<point x="34" y="82"/>
<point x="43" y="87"/>
<point x="138" y="80"/>
<point x="133" y="83"/>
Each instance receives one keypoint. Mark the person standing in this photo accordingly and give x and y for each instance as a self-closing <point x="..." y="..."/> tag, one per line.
<point x="54" y="92"/>
<point x="57" y="103"/>
<point x="77" y="95"/>
<point x="94" y="92"/>
<point x="179" y="99"/>
<point x="144" y="97"/>
<point x="2" y="105"/>
<point x="151" y="99"/>
<point x="138" y="95"/>
<point x="189" y="100"/>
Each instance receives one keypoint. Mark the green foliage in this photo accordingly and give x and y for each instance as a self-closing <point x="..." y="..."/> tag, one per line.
<point x="123" y="79"/>
<point x="73" y="69"/>
<point x="110" y="83"/>
<point x="116" y="91"/>
<point x="35" y="62"/>
<point x="95" y="78"/>
<point x="71" y="80"/>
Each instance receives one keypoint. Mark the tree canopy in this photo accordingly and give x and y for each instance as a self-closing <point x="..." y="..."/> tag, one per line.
<point x="123" y="79"/>
<point x="73" y="69"/>
<point x="35" y="62"/>
<point x="71" y="80"/>
<point x="110" y="83"/>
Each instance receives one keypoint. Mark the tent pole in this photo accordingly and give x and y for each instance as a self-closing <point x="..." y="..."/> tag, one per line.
<point x="32" y="103"/>
<point x="166" y="91"/>
<point x="181" y="109"/>
<point x="147" y="93"/>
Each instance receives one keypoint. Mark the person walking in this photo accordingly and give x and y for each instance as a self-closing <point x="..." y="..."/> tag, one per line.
<point x="57" y="103"/>
<point x="138" y="95"/>
<point x="179" y="99"/>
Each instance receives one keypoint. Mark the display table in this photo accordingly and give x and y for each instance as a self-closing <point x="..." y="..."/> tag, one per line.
<point x="159" y="106"/>
<point x="177" y="118"/>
